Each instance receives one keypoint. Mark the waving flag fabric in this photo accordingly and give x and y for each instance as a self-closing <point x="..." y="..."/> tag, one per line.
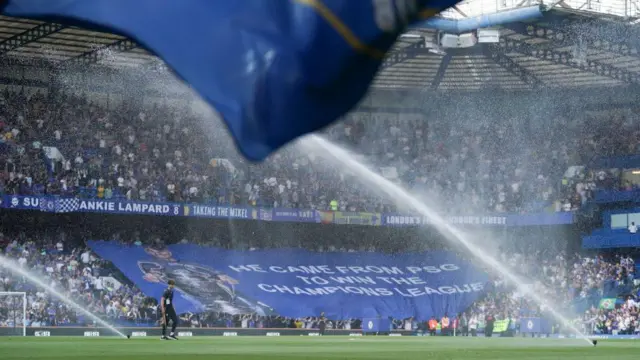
<point x="275" y="69"/>
<point x="607" y="303"/>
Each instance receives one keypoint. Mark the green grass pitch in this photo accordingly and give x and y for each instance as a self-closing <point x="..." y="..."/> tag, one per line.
<point x="314" y="348"/>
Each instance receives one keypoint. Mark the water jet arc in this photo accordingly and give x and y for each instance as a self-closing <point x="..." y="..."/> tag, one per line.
<point x="15" y="268"/>
<point x="404" y="199"/>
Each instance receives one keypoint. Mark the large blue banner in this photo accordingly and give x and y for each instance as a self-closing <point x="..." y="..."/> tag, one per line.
<point x="296" y="283"/>
<point x="66" y="204"/>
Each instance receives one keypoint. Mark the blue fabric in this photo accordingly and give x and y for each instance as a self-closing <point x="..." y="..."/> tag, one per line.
<point x="274" y="69"/>
<point x="296" y="283"/>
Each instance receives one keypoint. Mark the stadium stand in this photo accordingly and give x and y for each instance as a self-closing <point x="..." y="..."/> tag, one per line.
<point x="64" y="139"/>
<point x="578" y="282"/>
<point x="110" y="157"/>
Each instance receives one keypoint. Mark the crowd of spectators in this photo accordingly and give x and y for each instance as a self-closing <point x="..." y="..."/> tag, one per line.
<point x="75" y="273"/>
<point x="572" y="284"/>
<point x="597" y="294"/>
<point x="72" y="271"/>
<point x="164" y="153"/>
<point x="622" y="320"/>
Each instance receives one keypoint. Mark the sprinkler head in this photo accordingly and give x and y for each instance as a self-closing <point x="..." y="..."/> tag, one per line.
<point x="594" y="342"/>
<point x="128" y="336"/>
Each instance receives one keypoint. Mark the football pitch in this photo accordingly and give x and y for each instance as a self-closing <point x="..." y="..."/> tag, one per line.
<point x="313" y="348"/>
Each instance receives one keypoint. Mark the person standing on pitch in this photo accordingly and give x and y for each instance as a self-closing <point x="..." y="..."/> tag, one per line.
<point x="168" y="312"/>
<point x="322" y="324"/>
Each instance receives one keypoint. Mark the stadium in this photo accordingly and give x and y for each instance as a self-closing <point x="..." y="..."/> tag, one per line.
<point x="481" y="200"/>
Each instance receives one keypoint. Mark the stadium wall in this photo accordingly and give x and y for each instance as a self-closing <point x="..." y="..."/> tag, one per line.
<point x="136" y="332"/>
<point x="182" y="332"/>
<point x="261" y="234"/>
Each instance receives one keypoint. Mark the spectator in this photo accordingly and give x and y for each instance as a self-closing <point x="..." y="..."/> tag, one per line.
<point x="106" y="155"/>
<point x="567" y="282"/>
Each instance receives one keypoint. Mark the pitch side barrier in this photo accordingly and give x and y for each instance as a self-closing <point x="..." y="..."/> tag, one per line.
<point x="138" y="332"/>
<point x="184" y="332"/>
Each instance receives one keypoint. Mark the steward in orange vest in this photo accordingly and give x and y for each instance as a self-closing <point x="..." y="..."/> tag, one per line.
<point x="433" y="326"/>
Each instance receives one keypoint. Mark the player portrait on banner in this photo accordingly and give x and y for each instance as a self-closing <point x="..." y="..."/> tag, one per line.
<point x="204" y="287"/>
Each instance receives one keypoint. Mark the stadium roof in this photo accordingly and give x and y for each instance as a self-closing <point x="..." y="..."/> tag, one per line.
<point x="27" y="40"/>
<point x="577" y="43"/>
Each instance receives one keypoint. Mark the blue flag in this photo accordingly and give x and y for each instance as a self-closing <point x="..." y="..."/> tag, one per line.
<point x="274" y="69"/>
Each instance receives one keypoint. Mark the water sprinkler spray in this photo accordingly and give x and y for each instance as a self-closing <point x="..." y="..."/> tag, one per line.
<point x="451" y="233"/>
<point x="35" y="280"/>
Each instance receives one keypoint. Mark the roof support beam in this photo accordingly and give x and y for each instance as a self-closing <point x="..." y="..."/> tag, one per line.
<point x="618" y="40"/>
<point x="442" y="69"/>
<point x="567" y="59"/>
<point x="404" y="54"/>
<point x="94" y="56"/>
<point x="495" y="53"/>
<point x="25" y="61"/>
<point x="29" y="36"/>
